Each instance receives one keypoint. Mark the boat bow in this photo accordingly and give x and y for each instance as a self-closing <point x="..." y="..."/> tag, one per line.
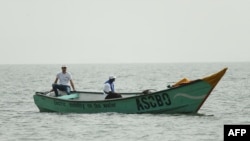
<point x="215" y="78"/>
<point x="213" y="81"/>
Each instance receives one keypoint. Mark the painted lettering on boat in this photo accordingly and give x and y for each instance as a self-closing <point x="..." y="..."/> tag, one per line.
<point x="76" y="105"/>
<point x="97" y="105"/>
<point x="89" y="105"/>
<point x="109" y="105"/>
<point x="153" y="101"/>
<point x="59" y="103"/>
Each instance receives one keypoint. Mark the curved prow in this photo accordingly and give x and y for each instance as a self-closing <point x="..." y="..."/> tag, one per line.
<point x="213" y="81"/>
<point x="215" y="78"/>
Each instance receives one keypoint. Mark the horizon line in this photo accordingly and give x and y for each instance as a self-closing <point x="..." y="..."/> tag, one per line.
<point x="123" y="63"/>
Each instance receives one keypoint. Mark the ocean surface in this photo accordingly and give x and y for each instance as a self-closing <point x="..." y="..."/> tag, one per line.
<point x="20" y="119"/>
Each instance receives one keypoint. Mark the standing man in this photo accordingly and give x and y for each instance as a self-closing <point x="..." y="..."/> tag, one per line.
<point x="109" y="88"/>
<point x="65" y="80"/>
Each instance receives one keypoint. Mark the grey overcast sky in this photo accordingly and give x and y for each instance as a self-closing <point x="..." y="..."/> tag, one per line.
<point x="124" y="31"/>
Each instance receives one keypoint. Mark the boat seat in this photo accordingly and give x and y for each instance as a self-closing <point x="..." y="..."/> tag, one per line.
<point x="71" y="96"/>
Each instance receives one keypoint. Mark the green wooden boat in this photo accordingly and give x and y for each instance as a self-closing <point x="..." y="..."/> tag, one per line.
<point x="183" y="97"/>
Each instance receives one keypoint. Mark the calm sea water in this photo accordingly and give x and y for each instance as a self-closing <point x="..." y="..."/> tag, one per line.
<point x="20" y="119"/>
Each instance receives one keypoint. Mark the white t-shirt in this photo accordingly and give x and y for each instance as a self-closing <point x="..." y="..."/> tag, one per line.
<point x="107" y="87"/>
<point x="64" y="78"/>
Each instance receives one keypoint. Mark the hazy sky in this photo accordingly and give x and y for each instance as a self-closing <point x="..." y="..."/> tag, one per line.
<point x="124" y="31"/>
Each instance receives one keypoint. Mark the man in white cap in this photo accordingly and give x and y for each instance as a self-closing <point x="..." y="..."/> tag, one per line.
<point x="65" y="80"/>
<point x="109" y="88"/>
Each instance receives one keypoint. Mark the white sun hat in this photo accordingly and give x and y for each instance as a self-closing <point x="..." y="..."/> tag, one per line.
<point x="112" y="77"/>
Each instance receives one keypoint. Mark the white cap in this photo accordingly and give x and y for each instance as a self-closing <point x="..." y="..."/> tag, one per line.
<point x="64" y="66"/>
<point x="112" y="77"/>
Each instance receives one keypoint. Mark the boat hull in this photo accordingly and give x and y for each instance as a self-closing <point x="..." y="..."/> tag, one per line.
<point x="177" y="100"/>
<point x="186" y="98"/>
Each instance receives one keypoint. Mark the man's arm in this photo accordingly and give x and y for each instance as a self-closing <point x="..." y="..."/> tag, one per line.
<point x="72" y="85"/>
<point x="54" y="83"/>
<point x="55" y="80"/>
